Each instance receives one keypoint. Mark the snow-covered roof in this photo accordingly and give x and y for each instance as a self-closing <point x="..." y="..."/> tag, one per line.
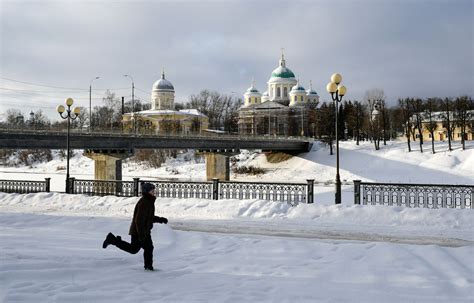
<point x="157" y="112"/>
<point x="268" y="105"/>
<point x="192" y="112"/>
<point x="439" y="116"/>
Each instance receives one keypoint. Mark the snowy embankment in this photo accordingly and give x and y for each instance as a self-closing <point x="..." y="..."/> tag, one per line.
<point x="51" y="242"/>
<point x="451" y="227"/>
<point x="60" y="259"/>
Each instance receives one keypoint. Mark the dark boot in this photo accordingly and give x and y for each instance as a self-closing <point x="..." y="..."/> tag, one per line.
<point x="149" y="268"/>
<point x="110" y="239"/>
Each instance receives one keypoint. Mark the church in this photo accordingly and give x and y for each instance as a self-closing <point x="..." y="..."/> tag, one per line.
<point x="162" y="118"/>
<point x="284" y="109"/>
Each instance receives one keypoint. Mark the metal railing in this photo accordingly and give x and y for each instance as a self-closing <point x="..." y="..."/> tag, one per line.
<point x="25" y="187"/>
<point x="103" y="187"/>
<point x="292" y="193"/>
<point x="414" y="195"/>
<point x="119" y="133"/>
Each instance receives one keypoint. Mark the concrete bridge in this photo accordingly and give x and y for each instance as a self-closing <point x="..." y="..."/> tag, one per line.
<point x="109" y="149"/>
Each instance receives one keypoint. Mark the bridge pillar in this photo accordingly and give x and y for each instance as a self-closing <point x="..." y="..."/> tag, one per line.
<point x="218" y="164"/>
<point x="107" y="164"/>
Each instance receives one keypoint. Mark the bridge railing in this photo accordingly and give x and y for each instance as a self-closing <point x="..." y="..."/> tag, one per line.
<point x="292" y="193"/>
<point x="119" y="133"/>
<point x="25" y="187"/>
<point x="414" y="195"/>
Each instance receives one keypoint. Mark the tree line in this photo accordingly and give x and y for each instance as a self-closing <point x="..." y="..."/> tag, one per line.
<point x="372" y="120"/>
<point x="221" y="109"/>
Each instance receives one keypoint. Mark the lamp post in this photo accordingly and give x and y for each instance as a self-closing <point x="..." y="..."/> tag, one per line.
<point x="337" y="91"/>
<point x="69" y="115"/>
<point x="90" y="102"/>
<point x="133" y="99"/>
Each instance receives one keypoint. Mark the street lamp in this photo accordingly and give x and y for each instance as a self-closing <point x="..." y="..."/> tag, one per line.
<point x="90" y="102"/>
<point x="337" y="92"/>
<point x="75" y="113"/>
<point x="133" y="100"/>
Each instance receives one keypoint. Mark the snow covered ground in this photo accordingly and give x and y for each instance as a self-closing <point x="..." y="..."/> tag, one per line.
<point x="246" y="251"/>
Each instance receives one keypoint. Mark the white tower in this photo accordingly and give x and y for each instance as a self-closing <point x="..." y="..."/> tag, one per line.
<point x="281" y="82"/>
<point x="162" y="94"/>
<point x="252" y="95"/>
<point x="297" y="95"/>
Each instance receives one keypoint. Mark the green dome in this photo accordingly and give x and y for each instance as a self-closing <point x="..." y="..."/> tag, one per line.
<point x="282" y="72"/>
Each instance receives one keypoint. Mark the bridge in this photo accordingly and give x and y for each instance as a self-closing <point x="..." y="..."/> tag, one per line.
<point x="18" y="139"/>
<point x="109" y="149"/>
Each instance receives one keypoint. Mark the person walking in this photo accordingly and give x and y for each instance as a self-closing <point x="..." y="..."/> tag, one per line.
<point x="140" y="228"/>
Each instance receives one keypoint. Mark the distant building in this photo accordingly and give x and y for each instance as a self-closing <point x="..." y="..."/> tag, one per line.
<point x="439" y="121"/>
<point x="285" y="109"/>
<point x="162" y="118"/>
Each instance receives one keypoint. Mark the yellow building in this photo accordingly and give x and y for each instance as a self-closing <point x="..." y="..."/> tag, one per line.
<point x="162" y="118"/>
<point x="440" y="132"/>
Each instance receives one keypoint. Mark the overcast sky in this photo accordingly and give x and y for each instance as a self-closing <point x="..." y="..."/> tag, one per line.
<point x="407" y="48"/>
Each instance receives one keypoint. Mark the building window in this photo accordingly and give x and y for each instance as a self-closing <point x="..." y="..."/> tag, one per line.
<point x="429" y="136"/>
<point x="278" y="92"/>
<point x="301" y="98"/>
<point x="285" y="92"/>
<point x="296" y="98"/>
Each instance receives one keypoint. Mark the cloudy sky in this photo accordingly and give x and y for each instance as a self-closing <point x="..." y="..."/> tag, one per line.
<point x="50" y="50"/>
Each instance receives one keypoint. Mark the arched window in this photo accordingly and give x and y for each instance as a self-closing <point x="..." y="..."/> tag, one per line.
<point x="278" y="92"/>
<point x="285" y="92"/>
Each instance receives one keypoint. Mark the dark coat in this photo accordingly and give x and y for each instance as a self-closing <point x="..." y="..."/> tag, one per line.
<point x="143" y="217"/>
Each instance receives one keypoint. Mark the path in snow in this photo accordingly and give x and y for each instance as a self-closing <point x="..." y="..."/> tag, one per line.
<point x="59" y="259"/>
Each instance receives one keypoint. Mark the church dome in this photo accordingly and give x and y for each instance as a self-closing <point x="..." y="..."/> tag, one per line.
<point x="282" y="72"/>
<point x="163" y="84"/>
<point x="297" y="88"/>
<point x="311" y="92"/>
<point x="252" y="91"/>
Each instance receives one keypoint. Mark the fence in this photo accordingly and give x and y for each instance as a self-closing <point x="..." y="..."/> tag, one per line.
<point x="390" y="194"/>
<point x="292" y="193"/>
<point x="414" y="195"/>
<point x="24" y="187"/>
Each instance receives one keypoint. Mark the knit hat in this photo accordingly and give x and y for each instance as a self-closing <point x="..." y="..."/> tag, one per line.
<point x="147" y="187"/>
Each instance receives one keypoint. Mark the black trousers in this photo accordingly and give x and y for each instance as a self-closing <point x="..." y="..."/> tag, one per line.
<point x="135" y="246"/>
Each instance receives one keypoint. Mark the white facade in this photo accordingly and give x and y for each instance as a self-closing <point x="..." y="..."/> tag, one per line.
<point x="282" y="87"/>
<point x="162" y="94"/>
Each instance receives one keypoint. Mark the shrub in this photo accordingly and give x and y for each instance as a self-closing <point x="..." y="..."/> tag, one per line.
<point x="249" y="170"/>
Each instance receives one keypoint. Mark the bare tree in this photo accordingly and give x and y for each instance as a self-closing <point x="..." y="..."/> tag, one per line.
<point x="417" y="109"/>
<point x="431" y="126"/>
<point x="463" y="116"/>
<point x="221" y="109"/>
<point x="448" y="122"/>
<point x="15" y="118"/>
<point x="359" y="120"/>
<point x="406" y="116"/>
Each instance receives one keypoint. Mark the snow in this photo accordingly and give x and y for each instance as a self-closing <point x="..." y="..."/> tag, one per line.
<point x="245" y="250"/>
